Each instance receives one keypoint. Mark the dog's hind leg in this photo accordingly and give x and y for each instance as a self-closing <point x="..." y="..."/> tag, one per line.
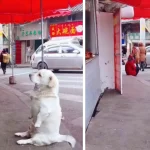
<point x="65" y="138"/>
<point x="26" y="133"/>
<point x="24" y="142"/>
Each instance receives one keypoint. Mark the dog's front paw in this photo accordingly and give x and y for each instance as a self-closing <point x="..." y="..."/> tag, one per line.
<point x="21" y="142"/>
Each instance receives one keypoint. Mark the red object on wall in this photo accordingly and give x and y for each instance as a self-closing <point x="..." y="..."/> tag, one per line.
<point x="66" y="29"/>
<point x="18" y="52"/>
<point x="117" y="51"/>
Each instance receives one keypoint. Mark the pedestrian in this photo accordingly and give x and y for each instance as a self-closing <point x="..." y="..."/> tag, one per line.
<point x="28" y="54"/>
<point x="5" y="59"/>
<point x="136" y="55"/>
<point x="142" y="56"/>
<point x="124" y="50"/>
<point x="81" y="42"/>
<point x="131" y="68"/>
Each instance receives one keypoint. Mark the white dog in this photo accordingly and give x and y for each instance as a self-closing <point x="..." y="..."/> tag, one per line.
<point x="46" y="112"/>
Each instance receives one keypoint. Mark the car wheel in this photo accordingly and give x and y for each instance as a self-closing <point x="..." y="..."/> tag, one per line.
<point x="40" y="66"/>
<point x="55" y="70"/>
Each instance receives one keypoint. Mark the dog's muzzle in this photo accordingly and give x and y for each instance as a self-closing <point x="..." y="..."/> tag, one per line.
<point x="36" y="87"/>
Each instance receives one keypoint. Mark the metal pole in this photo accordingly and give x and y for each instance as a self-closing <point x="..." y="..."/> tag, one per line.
<point x="10" y="46"/>
<point x="41" y="8"/>
<point x="95" y="25"/>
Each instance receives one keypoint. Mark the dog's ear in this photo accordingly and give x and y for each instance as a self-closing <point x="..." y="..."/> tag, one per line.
<point x="50" y="82"/>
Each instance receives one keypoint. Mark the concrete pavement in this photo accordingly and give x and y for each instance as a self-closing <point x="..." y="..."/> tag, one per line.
<point x="15" y="98"/>
<point x="14" y="113"/>
<point x="123" y="122"/>
<point x="14" y="117"/>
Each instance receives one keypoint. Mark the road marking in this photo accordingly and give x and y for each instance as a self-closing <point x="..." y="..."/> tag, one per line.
<point x="68" y="97"/>
<point x="71" y="86"/>
<point x="70" y="81"/>
<point x="71" y="77"/>
<point x="14" y="74"/>
<point x="71" y="97"/>
<point x="18" y="74"/>
<point x="61" y="86"/>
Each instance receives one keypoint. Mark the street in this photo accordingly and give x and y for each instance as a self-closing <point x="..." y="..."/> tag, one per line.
<point x="70" y="97"/>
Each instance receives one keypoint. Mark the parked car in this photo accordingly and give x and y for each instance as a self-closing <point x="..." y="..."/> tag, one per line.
<point x="59" y="54"/>
<point x="147" y="56"/>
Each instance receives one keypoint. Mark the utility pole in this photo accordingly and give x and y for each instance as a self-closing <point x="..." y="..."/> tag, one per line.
<point x="11" y="44"/>
<point x="41" y="8"/>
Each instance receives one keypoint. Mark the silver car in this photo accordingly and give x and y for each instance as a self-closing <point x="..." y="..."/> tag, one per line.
<point x="59" y="56"/>
<point x="148" y="56"/>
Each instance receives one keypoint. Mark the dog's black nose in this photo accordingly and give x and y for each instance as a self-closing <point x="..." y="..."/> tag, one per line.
<point x="30" y="75"/>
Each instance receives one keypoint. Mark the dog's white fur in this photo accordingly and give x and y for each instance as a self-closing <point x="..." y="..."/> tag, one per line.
<point x="46" y="112"/>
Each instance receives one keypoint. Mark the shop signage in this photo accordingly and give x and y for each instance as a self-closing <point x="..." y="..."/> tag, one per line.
<point x="30" y="33"/>
<point x="66" y="29"/>
<point x="117" y="51"/>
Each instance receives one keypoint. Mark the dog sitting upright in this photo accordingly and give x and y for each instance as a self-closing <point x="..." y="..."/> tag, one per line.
<point x="46" y="112"/>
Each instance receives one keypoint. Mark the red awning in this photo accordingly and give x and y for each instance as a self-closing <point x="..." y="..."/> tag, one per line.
<point x="141" y="13"/>
<point x="20" y="19"/>
<point x="22" y="11"/>
<point x="141" y="7"/>
<point x="129" y="2"/>
<point x="136" y="3"/>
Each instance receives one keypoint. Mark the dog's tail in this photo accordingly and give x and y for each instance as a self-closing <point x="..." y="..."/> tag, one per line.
<point x="67" y="138"/>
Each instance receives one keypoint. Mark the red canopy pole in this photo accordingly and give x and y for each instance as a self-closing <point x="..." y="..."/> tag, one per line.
<point x="41" y="8"/>
<point x="11" y="44"/>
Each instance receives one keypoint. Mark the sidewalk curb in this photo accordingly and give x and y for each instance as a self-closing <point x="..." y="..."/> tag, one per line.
<point x="20" y="66"/>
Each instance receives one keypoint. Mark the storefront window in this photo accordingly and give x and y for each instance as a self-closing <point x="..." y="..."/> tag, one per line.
<point x="91" y="33"/>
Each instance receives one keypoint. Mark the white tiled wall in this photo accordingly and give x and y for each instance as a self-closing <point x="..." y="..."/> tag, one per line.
<point x="106" y="49"/>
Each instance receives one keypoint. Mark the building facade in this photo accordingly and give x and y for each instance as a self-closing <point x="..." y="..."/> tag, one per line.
<point x="136" y="31"/>
<point x="30" y="34"/>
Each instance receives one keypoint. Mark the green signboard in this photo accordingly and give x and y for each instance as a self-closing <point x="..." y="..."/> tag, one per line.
<point x="30" y="33"/>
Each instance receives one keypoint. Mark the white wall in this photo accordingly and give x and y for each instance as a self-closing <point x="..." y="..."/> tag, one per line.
<point x="106" y="49"/>
<point x="92" y="87"/>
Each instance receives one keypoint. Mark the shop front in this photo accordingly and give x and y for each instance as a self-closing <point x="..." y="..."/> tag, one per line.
<point x="103" y="51"/>
<point x="29" y="35"/>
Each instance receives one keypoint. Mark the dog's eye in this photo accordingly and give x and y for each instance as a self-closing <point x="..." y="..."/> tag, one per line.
<point x="39" y="75"/>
